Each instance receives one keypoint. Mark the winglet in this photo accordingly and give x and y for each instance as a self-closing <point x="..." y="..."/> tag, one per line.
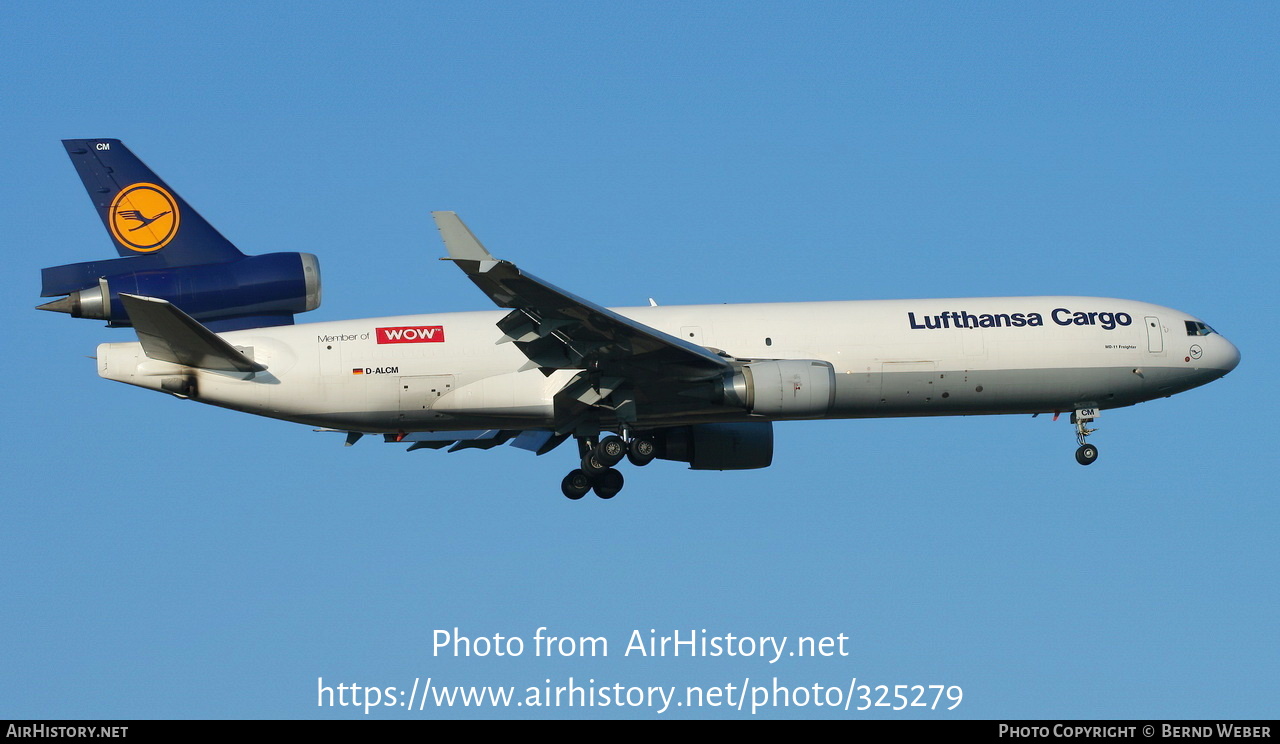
<point x="461" y="243"/>
<point x="170" y="335"/>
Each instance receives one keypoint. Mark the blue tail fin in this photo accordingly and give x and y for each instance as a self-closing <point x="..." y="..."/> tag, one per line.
<point x="142" y="214"/>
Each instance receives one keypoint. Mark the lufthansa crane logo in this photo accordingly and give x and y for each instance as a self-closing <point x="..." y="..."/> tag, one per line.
<point x="144" y="217"/>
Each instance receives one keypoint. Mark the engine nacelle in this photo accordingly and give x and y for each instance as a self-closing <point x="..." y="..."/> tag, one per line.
<point x="743" y="446"/>
<point x="787" y="388"/>
<point x="264" y="290"/>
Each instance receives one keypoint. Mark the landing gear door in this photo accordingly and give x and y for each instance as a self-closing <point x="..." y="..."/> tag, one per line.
<point x="1155" y="335"/>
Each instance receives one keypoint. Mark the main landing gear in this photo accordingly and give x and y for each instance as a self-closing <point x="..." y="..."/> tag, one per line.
<point x="1086" y="453"/>
<point x="598" y="458"/>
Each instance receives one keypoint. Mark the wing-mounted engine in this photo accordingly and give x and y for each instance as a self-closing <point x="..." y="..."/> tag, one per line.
<point x="742" y="446"/>
<point x="782" y="388"/>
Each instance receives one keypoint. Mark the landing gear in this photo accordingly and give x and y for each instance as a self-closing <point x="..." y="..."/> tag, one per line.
<point x="611" y="450"/>
<point x="592" y="465"/>
<point x="641" y="451"/>
<point x="1086" y="453"/>
<point x="608" y="483"/>
<point x="598" y="458"/>
<point x="575" y="485"/>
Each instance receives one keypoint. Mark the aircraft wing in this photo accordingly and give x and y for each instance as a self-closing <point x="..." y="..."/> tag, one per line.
<point x="559" y="330"/>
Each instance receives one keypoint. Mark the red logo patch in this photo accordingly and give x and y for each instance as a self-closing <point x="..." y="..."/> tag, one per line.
<point x="411" y="335"/>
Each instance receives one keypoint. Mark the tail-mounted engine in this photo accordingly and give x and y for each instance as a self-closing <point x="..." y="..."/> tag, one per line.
<point x="251" y="291"/>
<point x="169" y="252"/>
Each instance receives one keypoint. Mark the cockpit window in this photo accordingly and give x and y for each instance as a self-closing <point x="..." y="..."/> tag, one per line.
<point x="1196" y="328"/>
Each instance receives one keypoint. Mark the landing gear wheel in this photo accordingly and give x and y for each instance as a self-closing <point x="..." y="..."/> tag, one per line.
<point x="608" y="483"/>
<point x="610" y="451"/>
<point x="592" y="465"/>
<point x="641" y="452"/>
<point x="575" y="485"/>
<point x="1086" y="454"/>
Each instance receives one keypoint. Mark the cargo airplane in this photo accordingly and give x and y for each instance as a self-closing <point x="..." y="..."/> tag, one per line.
<point x="701" y="384"/>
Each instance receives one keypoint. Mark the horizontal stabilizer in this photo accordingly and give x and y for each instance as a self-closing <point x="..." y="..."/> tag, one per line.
<point x="170" y="335"/>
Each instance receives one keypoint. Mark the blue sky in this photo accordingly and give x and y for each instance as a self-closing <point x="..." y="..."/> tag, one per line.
<point x="162" y="559"/>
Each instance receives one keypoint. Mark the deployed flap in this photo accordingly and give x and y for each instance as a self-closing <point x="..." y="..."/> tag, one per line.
<point x="559" y="330"/>
<point x="170" y="335"/>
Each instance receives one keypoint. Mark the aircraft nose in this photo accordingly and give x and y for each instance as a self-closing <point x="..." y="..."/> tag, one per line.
<point x="1228" y="357"/>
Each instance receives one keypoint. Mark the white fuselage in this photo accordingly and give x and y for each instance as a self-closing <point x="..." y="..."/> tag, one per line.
<point x="449" y="371"/>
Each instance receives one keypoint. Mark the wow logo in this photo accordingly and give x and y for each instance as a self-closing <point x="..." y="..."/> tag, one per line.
<point x="144" y="217"/>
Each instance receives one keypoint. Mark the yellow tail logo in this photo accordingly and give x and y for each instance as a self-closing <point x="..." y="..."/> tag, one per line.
<point x="130" y="223"/>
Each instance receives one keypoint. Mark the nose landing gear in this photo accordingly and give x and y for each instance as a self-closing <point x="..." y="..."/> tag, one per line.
<point x="1086" y="453"/>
